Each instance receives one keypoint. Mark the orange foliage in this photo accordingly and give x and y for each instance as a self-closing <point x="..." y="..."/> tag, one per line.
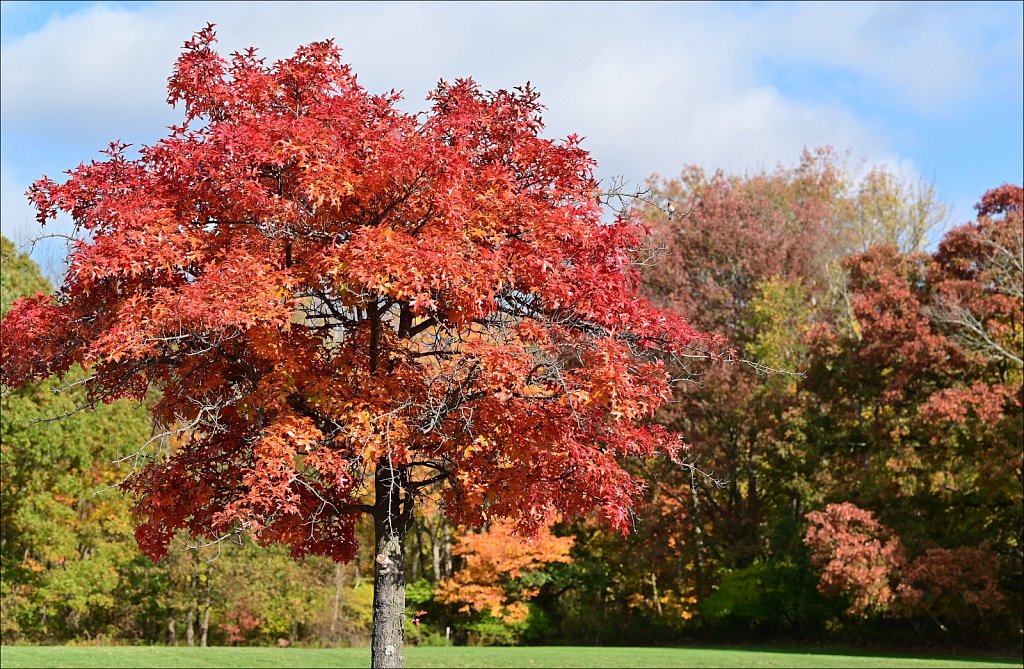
<point x="494" y="558"/>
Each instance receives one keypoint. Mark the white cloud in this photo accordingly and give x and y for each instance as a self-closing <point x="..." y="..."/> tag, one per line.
<point x="652" y="87"/>
<point x="101" y="70"/>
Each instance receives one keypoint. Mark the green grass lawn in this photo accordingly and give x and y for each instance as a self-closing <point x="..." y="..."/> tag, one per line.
<point x="159" y="656"/>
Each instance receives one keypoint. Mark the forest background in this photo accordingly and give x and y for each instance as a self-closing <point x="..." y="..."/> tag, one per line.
<point x="875" y="495"/>
<point x="872" y="494"/>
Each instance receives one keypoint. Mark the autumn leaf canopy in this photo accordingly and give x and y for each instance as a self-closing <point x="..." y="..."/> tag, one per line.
<point x="316" y="282"/>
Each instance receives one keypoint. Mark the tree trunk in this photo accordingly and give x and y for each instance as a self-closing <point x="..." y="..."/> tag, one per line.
<point x="388" y="570"/>
<point x="698" y="540"/>
<point x="446" y="548"/>
<point x="190" y="630"/>
<point x="337" y="600"/>
<point x="204" y="624"/>
<point x="193" y="601"/>
<point x="435" y="552"/>
<point x="172" y="631"/>
<point x="416" y="563"/>
<point x="654" y="589"/>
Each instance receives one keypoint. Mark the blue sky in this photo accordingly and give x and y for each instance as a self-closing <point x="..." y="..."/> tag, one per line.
<point x="935" y="90"/>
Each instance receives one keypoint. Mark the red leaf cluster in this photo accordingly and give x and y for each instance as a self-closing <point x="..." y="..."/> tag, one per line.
<point x="950" y="581"/>
<point x="861" y="559"/>
<point x="857" y="556"/>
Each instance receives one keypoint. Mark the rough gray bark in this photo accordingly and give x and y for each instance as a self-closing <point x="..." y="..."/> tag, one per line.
<point x="389" y="521"/>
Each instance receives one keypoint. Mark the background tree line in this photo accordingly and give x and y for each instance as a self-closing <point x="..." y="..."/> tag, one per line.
<point x="874" y="494"/>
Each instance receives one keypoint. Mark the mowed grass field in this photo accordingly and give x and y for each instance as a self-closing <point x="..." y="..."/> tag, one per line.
<point x="159" y="656"/>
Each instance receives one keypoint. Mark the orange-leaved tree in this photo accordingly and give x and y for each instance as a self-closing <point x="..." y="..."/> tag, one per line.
<point x="494" y="559"/>
<point x="345" y="306"/>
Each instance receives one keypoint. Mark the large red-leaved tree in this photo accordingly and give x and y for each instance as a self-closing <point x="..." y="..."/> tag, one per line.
<point x="344" y="307"/>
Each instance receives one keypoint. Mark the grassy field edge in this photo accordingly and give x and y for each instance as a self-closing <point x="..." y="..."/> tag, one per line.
<point x="468" y="656"/>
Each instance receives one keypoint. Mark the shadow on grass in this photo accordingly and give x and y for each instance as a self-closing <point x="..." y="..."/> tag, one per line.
<point x="992" y="657"/>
